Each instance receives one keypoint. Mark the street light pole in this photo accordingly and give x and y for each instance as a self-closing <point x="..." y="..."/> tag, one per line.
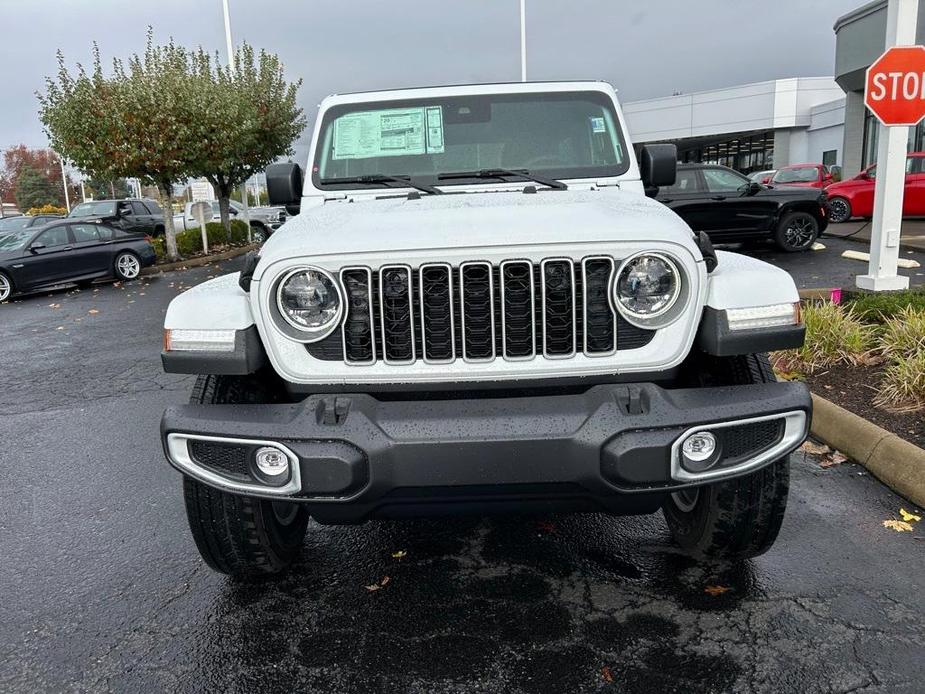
<point x="523" y="40"/>
<point x="229" y="45"/>
<point x="67" y="197"/>
<point x="886" y="224"/>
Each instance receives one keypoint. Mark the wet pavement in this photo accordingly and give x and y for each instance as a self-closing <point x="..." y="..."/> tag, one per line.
<point x="101" y="588"/>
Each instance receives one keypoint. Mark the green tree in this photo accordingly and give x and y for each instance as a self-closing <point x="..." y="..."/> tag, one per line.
<point x="138" y="122"/>
<point x="100" y="188"/>
<point x="34" y="190"/>
<point x="253" y="108"/>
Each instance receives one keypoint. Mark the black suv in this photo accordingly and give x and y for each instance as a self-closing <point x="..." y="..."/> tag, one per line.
<point x="135" y="215"/>
<point x="730" y="207"/>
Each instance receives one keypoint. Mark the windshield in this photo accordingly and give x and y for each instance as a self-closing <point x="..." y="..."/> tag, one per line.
<point x="94" y="209"/>
<point x="13" y="224"/>
<point x="558" y="135"/>
<point x="802" y="174"/>
<point x="14" y="240"/>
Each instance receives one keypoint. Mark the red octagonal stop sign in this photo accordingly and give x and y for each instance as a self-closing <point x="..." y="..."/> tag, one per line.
<point x="895" y="89"/>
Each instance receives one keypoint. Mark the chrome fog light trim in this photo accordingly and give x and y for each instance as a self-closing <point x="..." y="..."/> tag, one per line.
<point x="795" y="431"/>
<point x="179" y="456"/>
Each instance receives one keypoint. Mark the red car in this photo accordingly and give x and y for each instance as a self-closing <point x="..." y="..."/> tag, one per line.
<point x="855" y="197"/>
<point x="805" y="175"/>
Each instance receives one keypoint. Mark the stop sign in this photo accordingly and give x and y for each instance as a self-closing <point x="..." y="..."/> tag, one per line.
<point x="895" y="89"/>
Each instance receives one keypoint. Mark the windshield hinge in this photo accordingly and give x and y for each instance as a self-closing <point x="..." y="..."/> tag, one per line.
<point x="607" y="184"/>
<point x="335" y="196"/>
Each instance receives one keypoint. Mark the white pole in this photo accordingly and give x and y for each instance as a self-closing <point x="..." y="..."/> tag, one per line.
<point x="231" y="66"/>
<point x="67" y="197"/>
<point x="83" y="191"/>
<point x="523" y="40"/>
<point x="886" y="226"/>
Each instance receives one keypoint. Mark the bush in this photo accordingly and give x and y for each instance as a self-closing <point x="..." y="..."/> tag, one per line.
<point x="189" y="242"/>
<point x="834" y="335"/>
<point x="881" y="306"/>
<point x="904" y="334"/>
<point x="46" y="209"/>
<point x="903" y="386"/>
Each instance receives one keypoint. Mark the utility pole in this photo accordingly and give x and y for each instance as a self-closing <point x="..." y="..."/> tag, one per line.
<point x="67" y="197"/>
<point x="886" y="225"/>
<point x="523" y="40"/>
<point x="233" y="69"/>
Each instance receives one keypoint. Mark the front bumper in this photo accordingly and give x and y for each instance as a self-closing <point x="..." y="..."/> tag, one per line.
<point x="611" y="447"/>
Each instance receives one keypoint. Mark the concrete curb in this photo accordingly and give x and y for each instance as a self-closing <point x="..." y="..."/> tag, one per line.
<point x="894" y="461"/>
<point x="200" y="261"/>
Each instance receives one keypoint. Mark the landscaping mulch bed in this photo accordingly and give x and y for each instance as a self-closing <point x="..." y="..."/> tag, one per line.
<point x="854" y="388"/>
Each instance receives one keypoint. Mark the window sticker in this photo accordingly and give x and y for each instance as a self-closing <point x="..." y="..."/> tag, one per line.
<point x="598" y="125"/>
<point x="388" y="133"/>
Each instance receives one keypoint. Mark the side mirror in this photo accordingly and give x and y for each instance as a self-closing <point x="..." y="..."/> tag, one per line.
<point x="658" y="165"/>
<point x="36" y="247"/>
<point x="754" y="187"/>
<point x="864" y="176"/>
<point x="124" y="212"/>
<point x="284" y="186"/>
<point x="232" y="211"/>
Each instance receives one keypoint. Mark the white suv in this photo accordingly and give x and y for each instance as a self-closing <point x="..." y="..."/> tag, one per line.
<point x="479" y="308"/>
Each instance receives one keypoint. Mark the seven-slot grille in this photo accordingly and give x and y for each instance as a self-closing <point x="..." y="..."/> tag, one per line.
<point x="479" y="312"/>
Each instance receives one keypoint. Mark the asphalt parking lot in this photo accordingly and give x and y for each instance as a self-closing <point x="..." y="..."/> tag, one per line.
<point x="102" y="588"/>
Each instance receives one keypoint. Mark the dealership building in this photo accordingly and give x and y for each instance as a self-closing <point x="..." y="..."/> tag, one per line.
<point x="766" y="125"/>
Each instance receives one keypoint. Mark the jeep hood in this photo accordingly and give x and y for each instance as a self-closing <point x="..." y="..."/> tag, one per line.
<point x="482" y="220"/>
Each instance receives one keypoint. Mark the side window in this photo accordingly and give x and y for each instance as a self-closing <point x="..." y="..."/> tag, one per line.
<point x="85" y="232"/>
<point x="138" y="208"/>
<point x="722" y="181"/>
<point x="686" y="182"/>
<point x="53" y="237"/>
<point x="105" y="233"/>
<point x="153" y="207"/>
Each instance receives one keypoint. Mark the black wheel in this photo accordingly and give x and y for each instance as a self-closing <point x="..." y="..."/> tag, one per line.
<point x="839" y="210"/>
<point x="244" y="537"/>
<point x="6" y="287"/>
<point x="797" y="231"/>
<point x="258" y="233"/>
<point x="127" y="266"/>
<point x="739" y="518"/>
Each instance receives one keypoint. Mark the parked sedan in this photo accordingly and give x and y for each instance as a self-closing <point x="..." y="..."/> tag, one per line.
<point x="66" y="251"/>
<point x="805" y="175"/>
<point x="855" y="197"/>
<point x="729" y="207"/>
<point x="762" y="176"/>
<point x="10" y="224"/>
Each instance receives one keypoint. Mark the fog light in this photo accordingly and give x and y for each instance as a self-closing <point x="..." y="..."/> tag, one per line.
<point x="272" y="462"/>
<point x="697" y="451"/>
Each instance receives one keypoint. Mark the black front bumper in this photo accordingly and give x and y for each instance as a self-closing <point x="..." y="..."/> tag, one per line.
<point x="612" y="447"/>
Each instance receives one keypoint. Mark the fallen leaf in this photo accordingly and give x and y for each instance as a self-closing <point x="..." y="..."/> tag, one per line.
<point x="92" y="311"/>
<point x="54" y="305"/>
<point x="909" y="516"/>
<point x="399" y="554"/>
<point x="384" y="582"/>
<point x="716" y="590"/>
<point x="835" y="458"/>
<point x="605" y="671"/>
<point x="373" y="587"/>
<point x="815" y="448"/>
<point x="378" y="586"/>
<point x="60" y="327"/>
<point x="897" y="525"/>
<point x="546" y="526"/>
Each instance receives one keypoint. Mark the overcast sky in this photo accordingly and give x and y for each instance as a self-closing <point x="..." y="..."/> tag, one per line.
<point x="645" y="48"/>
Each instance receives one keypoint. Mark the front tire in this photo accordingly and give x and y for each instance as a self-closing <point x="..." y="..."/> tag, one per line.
<point x="245" y="537"/>
<point x="258" y="233"/>
<point x="739" y="518"/>
<point x="797" y="231"/>
<point x="839" y="210"/>
<point x="6" y="287"/>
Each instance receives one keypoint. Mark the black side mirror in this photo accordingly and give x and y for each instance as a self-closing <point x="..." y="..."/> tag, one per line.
<point x="36" y="247"/>
<point x="284" y="186"/>
<point x="658" y="165"/>
<point x="124" y="212"/>
<point x="754" y="187"/>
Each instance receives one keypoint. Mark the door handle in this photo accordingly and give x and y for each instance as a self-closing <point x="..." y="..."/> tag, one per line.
<point x="69" y="248"/>
<point x="718" y="197"/>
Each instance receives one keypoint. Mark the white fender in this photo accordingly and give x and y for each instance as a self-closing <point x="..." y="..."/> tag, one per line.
<point x="740" y="282"/>
<point x="218" y="304"/>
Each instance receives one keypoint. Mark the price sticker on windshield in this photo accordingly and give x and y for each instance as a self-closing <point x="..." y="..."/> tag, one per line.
<point x="389" y="133"/>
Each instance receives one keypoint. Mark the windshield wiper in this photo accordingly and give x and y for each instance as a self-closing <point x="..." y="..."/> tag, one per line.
<point x="387" y="179"/>
<point x="523" y="174"/>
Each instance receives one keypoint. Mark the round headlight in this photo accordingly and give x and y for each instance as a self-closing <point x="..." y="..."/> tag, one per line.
<point x="308" y="299"/>
<point x="647" y="286"/>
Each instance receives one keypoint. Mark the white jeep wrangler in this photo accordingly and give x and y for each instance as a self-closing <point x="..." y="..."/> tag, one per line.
<point x="478" y="308"/>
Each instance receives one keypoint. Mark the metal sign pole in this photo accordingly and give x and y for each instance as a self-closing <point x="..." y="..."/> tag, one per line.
<point x="882" y="272"/>
<point x="523" y="40"/>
